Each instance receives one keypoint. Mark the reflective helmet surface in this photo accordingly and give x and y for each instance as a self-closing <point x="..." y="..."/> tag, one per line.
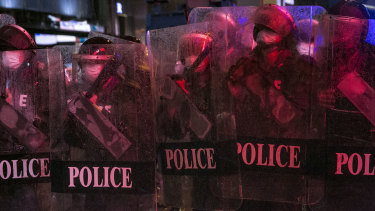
<point x="351" y="9"/>
<point x="192" y="44"/>
<point x="351" y="20"/>
<point x="192" y="47"/>
<point x="225" y="23"/>
<point x="14" y="37"/>
<point x="92" y="46"/>
<point x="96" y="49"/>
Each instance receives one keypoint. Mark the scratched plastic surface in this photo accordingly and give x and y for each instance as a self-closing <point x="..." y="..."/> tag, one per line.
<point x="192" y="107"/>
<point x="351" y="65"/>
<point x="112" y="123"/>
<point x="350" y="121"/>
<point x="279" y="100"/>
<point x="24" y="124"/>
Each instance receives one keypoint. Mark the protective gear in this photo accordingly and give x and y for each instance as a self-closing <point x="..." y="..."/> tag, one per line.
<point x="94" y="54"/>
<point x="192" y="44"/>
<point x="348" y="32"/>
<point x="193" y="52"/>
<point x="13" y="59"/>
<point x="94" y="51"/>
<point x="352" y="9"/>
<point x="123" y="39"/>
<point x="351" y="76"/>
<point x="274" y="18"/>
<point x="225" y="25"/>
<point x="268" y="37"/>
<point x="25" y="108"/>
<point x="14" y="37"/>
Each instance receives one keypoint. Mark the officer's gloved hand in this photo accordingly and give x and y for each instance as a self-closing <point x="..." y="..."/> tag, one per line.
<point x="236" y="78"/>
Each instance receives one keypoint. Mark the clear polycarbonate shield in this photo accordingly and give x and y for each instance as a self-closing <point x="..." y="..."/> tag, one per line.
<point x="274" y="81"/>
<point x="108" y="131"/>
<point x="24" y="124"/>
<point x="239" y="26"/>
<point x="231" y="24"/>
<point x="350" y="119"/>
<point x="350" y="64"/>
<point x="114" y="40"/>
<point x="67" y="52"/>
<point x="196" y="153"/>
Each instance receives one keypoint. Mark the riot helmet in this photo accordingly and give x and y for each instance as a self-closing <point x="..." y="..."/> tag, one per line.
<point x="94" y="54"/>
<point x="350" y="25"/>
<point x="193" y="58"/>
<point x="272" y="24"/>
<point x="93" y="46"/>
<point x="351" y="9"/>
<point x="191" y="47"/>
<point x="274" y="32"/>
<point x="12" y="38"/>
<point x="225" y="27"/>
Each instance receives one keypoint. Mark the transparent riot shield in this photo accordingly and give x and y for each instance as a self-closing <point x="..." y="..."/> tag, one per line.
<point x="351" y="77"/>
<point x="275" y="82"/>
<point x="115" y="40"/>
<point x="350" y="120"/>
<point x="197" y="159"/>
<point x="24" y="124"/>
<point x="104" y="158"/>
<point x="232" y="21"/>
<point x="239" y="27"/>
<point x="67" y="52"/>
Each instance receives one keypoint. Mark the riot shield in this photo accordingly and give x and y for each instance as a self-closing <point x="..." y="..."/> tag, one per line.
<point x="351" y="77"/>
<point x="239" y="27"/>
<point x="24" y="124"/>
<point x="195" y="125"/>
<point x="108" y="134"/>
<point x="67" y="52"/>
<point x="274" y="84"/>
<point x="115" y="40"/>
<point x="350" y="120"/>
<point x="231" y="25"/>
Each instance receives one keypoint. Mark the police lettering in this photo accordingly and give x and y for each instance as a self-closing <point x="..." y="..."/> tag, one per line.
<point x="23" y="100"/>
<point x="117" y="177"/>
<point x="201" y="158"/>
<point x="24" y="168"/>
<point x="355" y="164"/>
<point x="269" y="155"/>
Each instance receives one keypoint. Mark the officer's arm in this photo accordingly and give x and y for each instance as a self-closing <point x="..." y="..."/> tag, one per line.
<point x="272" y="100"/>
